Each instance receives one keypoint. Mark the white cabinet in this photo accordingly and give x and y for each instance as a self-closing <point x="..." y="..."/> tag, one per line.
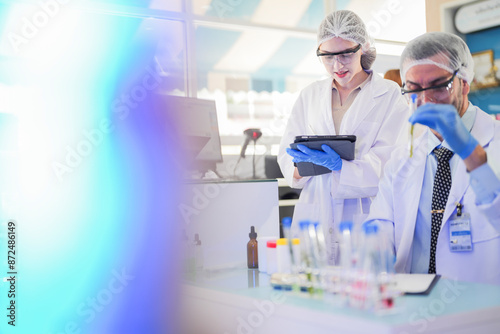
<point x="222" y="212"/>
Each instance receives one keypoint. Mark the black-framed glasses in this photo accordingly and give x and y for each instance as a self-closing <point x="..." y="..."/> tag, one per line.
<point x="344" y="57"/>
<point x="439" y="93"/>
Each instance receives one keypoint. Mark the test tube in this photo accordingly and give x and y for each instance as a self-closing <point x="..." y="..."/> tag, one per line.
<point x="286" y="223"/>
<point x="413" y="107"/>
<point x="321" y="256"/>
<point x="320" y="237"/>
<point x="307" y="257"/>
<point x="317" y="250"/>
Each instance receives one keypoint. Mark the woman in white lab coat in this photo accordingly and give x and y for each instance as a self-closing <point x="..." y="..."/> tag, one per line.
<point x="352" y="101"/>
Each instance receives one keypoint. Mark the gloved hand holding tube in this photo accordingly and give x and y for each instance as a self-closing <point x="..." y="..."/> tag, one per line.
<point x="444" y="119"/>
<point x="327" y="158"/>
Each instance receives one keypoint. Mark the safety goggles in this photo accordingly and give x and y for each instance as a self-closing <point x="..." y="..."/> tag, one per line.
<point x="344" y="57"/>
<point x="436" y="94"/>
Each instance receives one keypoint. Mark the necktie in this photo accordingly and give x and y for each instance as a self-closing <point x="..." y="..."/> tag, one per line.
<point x="440" y="192"/>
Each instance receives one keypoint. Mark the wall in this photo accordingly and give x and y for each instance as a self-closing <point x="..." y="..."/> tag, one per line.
<point x="440" y="17"/>
<point x="488" y="99"/>
<point x="434" y="14"/>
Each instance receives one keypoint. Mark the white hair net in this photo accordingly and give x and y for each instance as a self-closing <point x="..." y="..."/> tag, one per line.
<point x="349" y="26"/>
<point x="442" y="49"/>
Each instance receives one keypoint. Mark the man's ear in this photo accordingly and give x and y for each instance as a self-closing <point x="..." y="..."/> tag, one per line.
<point x="465" y="87"/>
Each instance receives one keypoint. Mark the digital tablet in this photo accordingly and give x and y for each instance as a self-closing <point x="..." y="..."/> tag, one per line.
<point x="342" y="144"/>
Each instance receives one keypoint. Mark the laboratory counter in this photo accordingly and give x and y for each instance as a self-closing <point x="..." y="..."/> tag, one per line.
<point x="243" y="301"/>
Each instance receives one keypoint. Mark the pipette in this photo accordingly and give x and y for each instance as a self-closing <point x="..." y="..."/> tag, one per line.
<point x="413" y="107"/>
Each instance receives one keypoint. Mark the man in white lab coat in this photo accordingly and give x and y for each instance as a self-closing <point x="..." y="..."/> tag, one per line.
<point x="352" y="101"/>
<point x="465" y="245"/>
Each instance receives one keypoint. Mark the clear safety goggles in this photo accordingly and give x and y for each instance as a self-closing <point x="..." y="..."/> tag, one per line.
<point x="344" y="57"/>
<point x="435" y="94"/>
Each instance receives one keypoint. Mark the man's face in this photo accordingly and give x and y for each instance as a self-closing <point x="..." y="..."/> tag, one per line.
<point x="428" y="75"/>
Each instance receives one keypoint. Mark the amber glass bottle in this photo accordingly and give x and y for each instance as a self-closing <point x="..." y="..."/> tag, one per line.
<point x="252" y="254"/>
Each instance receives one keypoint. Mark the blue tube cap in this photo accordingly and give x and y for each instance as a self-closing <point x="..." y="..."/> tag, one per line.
<point x="304" y="224"/>
<point x="345" y="226"/>
<point x="370" y="228"/>
<point x="286" y="222"/>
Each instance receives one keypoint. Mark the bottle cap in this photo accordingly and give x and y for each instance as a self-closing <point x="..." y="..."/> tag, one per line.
<point x="304" y="224"/>
<point x="370" y="228"/>
<point x="252" y="233"/>
<point x="282" y="242"/>
<point x="345" y="226"/>
<point x="286" y="222"/>
<point x="295" y="241"/>
<point x="271" y="244"/>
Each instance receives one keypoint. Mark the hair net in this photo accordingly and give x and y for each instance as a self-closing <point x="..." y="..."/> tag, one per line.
<point x="442" y="49"/>
<point x="349" y="26"/>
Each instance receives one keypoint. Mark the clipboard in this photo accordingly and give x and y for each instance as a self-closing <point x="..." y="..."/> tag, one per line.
<point x="416" y="284"/>
<point x="342" y="144"/>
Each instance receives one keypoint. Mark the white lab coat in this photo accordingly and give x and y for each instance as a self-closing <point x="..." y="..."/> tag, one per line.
<point x="378" y="118"/>
<point x="396" y="205"/>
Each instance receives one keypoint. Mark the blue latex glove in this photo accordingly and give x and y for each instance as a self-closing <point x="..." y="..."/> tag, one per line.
<point x="445" y="120"/>
<point x="327" y="158"/>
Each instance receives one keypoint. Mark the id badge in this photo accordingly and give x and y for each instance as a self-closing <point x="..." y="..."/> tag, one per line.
<point x="460" y="235"/>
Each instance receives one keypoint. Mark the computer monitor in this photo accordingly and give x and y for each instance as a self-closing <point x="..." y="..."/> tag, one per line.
<point x="200" y="131"/>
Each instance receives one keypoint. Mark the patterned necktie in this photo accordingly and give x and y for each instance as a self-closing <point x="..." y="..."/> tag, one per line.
<point x="440" y="192"/>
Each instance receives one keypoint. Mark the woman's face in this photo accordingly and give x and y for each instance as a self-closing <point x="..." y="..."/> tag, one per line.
<point x="342" y="73"/>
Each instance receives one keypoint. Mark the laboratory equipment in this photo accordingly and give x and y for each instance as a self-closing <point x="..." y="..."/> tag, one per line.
<point x="320" y="244"/>
<point x="252" y="250"/>
<point x="307" y="260"/>
<point x="262" y="251"/>
<point x="321" y="258"/>
<point x="296" y="254"/>
<point x="250" y="135"/>
<point x="293" y="254"/>
<point x="272" y="266"/>
<point x="199" y="130"/>
<point x="283" y="256"/>
<point x="286" y="223"/>
<point x="413" y="107"/>
<point x="364" y="289"/>
<point x="346" y="261"/>
<point x="372" y="281"/>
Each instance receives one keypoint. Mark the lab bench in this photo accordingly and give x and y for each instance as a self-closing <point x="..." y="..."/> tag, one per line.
<point x="243" y="301"/>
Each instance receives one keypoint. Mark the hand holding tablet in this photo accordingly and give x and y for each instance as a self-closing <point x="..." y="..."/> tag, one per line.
<point x="313" y="158"/>
<point x="326" y="157"/>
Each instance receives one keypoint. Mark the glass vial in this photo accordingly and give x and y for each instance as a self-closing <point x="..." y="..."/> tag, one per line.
<point x="252" y="250"/>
